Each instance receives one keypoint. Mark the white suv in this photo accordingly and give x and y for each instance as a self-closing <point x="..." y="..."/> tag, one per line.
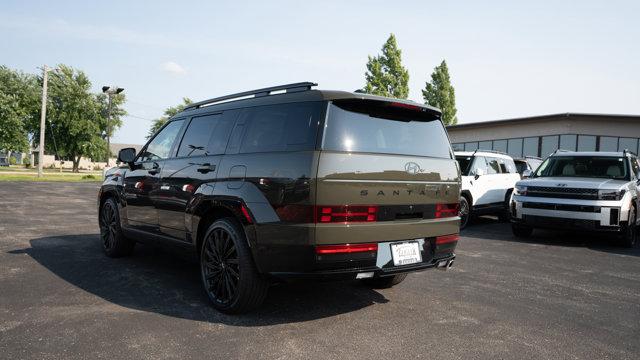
<point x="488" y="178"/>
<point x="591" y="191"/>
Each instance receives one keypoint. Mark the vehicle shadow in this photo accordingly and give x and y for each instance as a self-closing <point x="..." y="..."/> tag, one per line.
<point x="491" y="229"/>
<point x="155" y="280"/>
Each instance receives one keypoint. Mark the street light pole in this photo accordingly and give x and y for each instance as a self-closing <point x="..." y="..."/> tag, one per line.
<point x="43" y="116"/>
<point x="110" y="91"/>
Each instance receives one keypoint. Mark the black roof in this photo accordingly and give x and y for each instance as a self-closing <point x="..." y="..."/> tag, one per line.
<point x="296" y="92"/>
<point x="545" y="117"/>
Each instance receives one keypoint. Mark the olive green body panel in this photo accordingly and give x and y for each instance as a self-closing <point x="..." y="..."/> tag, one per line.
<point x="382" y="179"/>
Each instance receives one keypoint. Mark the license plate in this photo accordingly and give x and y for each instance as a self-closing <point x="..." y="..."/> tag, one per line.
<point x="406" y="253"/>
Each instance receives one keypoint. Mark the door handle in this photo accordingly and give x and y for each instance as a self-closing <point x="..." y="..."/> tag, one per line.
<point x="205" y="168"/>
<point x="155" y="169"/>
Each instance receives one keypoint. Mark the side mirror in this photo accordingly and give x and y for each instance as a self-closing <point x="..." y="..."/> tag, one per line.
<point x="127" y="155"/>
<point x="527" y="173"/>
<point x="479" y="172"/>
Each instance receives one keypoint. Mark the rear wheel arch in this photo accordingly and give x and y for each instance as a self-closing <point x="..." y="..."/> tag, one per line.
<point x="468" y="196"/>
<point x="213" y="210"/>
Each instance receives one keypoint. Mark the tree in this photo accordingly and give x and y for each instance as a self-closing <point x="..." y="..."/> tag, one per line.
<point x="168" y="114"/>
<point x="385" y="74"/>
<point x="441" y="94"/>
<point x="75" y="121"/>
<point x="19" y="104"/>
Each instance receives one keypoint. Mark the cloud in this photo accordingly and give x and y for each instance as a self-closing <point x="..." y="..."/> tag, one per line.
<point x="173" y="68"/>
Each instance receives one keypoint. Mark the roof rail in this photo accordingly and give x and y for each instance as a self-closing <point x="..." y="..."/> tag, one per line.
<point x="626" y="151"/>
<point x="489" y="151"/>
<point x="295" y="87"/>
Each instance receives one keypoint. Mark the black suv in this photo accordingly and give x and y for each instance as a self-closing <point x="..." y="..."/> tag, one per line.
<point x="289" y="182"/>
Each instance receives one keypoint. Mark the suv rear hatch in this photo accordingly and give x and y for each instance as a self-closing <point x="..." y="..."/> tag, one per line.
<point x="386" y="172"/>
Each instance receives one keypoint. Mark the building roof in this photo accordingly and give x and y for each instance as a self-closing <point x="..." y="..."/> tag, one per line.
<point x="544" y="117"/>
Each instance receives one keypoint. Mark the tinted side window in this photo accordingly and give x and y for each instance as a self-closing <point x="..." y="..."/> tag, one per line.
<point x="493" y="166"/>
<point x="161" y="144"/>
<point x="282" y="127"/>
<point x="479" y="163"/>
<point x="196" y="138"/>
<point x="206" y="135"/>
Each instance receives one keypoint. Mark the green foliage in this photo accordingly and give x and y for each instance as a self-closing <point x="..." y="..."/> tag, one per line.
<point x="441" y="94"/>
<point x="385" y="74"/>
<point x="76" y="118"/>
<point x="26" y="162"/>
<point x="88" y="177"/>
<point x="13" y="160"/>
<point x="18" y="106"/>
<point x="168" y="114"/>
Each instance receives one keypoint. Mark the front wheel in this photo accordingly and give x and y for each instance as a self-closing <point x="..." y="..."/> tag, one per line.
<point x="630" y="236"/>
<point x="229" y="275"/>
<point x="114" y="243"/>
<point x="465" y="212"/>
<point x="385" y="282"/>
<point x="521" y="231"/>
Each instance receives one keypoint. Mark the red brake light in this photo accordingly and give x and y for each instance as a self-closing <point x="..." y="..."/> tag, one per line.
<point x="447" y="210"/>
<point x="345" y="249"/>
<point x="406" y="106"/>
<point x="446" y="239"/>
<point x="346" y="213"/>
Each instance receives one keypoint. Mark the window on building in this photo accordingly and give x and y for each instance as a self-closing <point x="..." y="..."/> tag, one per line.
<point x="515" y="147"/>
<point x="485" y="145"/>
<point x="628" y="143"/>
<point x="457" y="147"/>
<point x="471" y="146"/>
<point x="568" y="142"/>
<point x="608" y="143"/>
<point x="530" y="147"/>
<point x="549" y="145"/>
<point x="586" y="143"/>
<point x="500" y="145"/>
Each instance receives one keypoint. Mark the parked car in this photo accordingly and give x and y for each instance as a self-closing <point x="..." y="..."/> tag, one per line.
<point x="488" y="178"/>
<point x="527" y="163"/>
<point x="592" y="191"/>
<point x="4" y="161"/>
<point x="290" y="183"/>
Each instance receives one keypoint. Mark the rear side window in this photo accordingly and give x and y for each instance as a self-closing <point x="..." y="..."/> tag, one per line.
<point x="282" y="127"/>
<point x="373" y="130"/>
<point x="206" y="135"/>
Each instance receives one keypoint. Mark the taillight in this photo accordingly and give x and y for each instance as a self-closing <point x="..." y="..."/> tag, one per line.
<point x="446" y="239"/>
<point x="246" y="214"/>
<point x="345" y="249"/>
<point x="447" y="210"/>
<point x="346" y="213"/>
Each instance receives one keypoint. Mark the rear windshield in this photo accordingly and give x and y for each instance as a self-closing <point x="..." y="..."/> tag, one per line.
<point x="358" y="128"/>
<point x="584" y="166"/>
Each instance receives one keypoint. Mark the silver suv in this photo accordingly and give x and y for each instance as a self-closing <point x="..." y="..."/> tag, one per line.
<point x="592" y="191"/>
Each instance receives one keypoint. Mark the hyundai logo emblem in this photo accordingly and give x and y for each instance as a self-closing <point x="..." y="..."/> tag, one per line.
<point x="412" y="168"/>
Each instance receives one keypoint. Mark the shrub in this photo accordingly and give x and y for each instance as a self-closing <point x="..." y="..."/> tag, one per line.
<point x="12" y="160"/>
<point x="88" y="177"/>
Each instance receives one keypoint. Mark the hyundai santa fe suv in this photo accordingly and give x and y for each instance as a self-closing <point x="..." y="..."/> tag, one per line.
<point x="289" y="182"/>
<point x="488" y="178"/>
<point x="592" y="191"/>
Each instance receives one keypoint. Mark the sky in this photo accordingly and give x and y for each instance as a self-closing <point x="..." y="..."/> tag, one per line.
<point x="506" y="58"/>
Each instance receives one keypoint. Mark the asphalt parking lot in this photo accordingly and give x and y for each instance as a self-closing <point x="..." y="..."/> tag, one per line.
<point x="555" y="296"/>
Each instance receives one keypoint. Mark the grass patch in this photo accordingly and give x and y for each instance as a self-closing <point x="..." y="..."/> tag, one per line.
<point x="48" y="177"/>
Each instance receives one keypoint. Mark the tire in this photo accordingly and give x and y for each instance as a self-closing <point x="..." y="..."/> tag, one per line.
<point x="521" y="231"/>
<point x="114" y="243"/>
<point x="385" y="282"/>
<point x="465" y="212"/>
<point x="229" y="275"/>
<point x="505" y="214"/>
<point x="630" y="236"/>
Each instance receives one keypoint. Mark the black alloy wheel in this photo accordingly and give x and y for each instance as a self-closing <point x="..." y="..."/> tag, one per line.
<point x="229" y="275"/>
<point x="220" y="267"/>
<point x="114" y="243"/>
<point x="630" y="235"/>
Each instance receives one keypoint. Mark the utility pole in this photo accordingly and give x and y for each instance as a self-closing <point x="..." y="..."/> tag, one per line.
<point x="43" y="116"/>
<point x="110" y="91"/>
